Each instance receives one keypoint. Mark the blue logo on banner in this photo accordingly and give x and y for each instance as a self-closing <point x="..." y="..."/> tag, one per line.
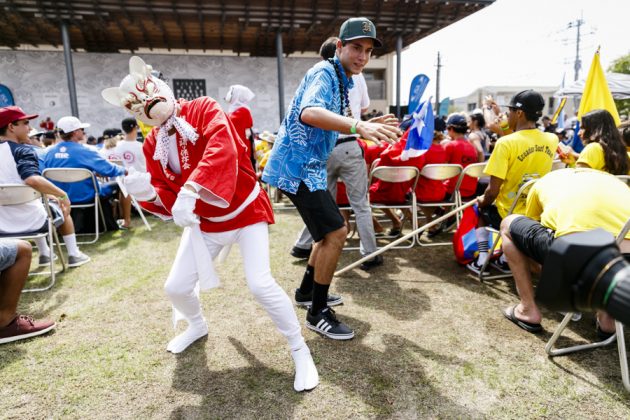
<point x="418" y="85"/>
<point x="6" y="97"/>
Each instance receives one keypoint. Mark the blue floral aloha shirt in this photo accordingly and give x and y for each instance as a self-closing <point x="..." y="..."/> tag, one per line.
<point x="301" y="151"/>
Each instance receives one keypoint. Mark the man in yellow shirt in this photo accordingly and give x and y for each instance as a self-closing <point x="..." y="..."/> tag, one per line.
<point x="563" y="202"/>
<point x="525" y="154"/>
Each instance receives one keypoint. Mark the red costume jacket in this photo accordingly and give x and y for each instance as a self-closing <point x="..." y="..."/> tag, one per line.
<point x="218" y="162"/>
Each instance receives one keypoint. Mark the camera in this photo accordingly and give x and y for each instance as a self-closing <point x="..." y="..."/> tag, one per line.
<point x="586" y="272"/>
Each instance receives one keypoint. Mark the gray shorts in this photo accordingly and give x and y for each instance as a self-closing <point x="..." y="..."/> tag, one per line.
<point x="8" y="253"/>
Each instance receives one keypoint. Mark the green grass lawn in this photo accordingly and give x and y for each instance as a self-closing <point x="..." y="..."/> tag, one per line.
<point x="431" y="342"/>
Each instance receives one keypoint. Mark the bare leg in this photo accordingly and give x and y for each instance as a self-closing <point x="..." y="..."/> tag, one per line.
<point x="326" y="254"/>
<point x="126" y="210"/>
<point x="12" y="282"/>
<point x="526" y="310"/>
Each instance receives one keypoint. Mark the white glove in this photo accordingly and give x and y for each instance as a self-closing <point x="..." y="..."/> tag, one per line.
<point x="139" y="185"/>
<point x="183" y="209"/>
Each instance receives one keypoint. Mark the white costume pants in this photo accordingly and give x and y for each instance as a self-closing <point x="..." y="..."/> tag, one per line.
<point x="253" y="242"/>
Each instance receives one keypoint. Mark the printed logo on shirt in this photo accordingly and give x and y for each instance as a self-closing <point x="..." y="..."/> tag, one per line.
<point x="61" y="154"/>
<point x="129" y="157"/>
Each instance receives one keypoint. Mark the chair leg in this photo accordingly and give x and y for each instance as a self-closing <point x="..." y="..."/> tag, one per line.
<point x="53" y="240"/>
<point x="567" y="350"/>
<point x="140" y="212"/>
<point x="623" y="357"/>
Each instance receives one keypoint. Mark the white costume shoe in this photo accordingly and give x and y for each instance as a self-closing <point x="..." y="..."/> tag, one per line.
<point x="306" y="376"/>
<point x="194" y="332"/>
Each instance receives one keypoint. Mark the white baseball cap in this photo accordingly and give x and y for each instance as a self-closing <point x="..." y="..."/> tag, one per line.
<point x="70" y="124"/>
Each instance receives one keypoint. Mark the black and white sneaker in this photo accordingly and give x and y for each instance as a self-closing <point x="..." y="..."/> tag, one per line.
<point x="326" y="323"/>
<point x="501" y="266"/>
<point x="476" y="268"/>
<point x="306" y="299"/>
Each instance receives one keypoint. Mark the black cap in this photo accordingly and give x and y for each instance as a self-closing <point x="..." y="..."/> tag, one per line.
<point x="529" y="101"/>
<point x="457" y="120"/>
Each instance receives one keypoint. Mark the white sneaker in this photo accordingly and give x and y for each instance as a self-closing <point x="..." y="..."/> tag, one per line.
<point x="306" y="376"/>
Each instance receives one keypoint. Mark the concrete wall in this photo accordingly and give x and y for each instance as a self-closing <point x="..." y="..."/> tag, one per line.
<point x="38" y="82"/>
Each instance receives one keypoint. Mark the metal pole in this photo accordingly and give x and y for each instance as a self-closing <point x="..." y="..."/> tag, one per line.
<point x="404" y="238"/>
<point x="399" y="43"/>
<point x="437" y="85"/>
<point x="280" y="73"/>
<point x="67" y="54"/>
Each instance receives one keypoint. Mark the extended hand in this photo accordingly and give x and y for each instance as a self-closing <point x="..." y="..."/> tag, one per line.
<point x="388" y="119"/>
<point x="378" y="132"/>
<point x="183" y="209"/>
<point x="139" y="185"/>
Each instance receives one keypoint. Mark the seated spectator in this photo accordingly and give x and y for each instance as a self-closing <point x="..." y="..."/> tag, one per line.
<point x="556" y="206"/>
<point x="461" y="152"/>
<point x="21" y="166"/>
<point x="427" y="190"/>
<point x="129" y="149"/>
<point x="110" y="140"/>
<point x="527" y="153"/>
<point x="15" y="260"/>
<point x="70" y="153"/>
<point x="604" y="148"/>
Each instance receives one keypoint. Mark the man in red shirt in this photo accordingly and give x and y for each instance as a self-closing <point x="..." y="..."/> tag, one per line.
<point x="461" y="152"/>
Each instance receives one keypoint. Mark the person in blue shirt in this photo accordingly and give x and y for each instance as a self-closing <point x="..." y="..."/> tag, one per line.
<point x="318" y="113"/>
<point x="71" y="153"/>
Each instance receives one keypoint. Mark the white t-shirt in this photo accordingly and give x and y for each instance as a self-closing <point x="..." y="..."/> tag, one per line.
<point x="358" y="96"/>
<point x="130" y="152"/>
<point x="109" y="154"/>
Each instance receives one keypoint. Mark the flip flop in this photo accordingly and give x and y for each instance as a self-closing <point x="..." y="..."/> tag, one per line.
<point x="527" y="326"/>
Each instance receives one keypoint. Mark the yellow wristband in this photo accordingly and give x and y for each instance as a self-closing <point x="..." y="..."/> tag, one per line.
<point x="62" y="198"/>
<point x="353" y="129"/>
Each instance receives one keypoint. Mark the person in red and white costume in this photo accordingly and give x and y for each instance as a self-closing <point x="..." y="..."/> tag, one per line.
<point x="199" y="175"/>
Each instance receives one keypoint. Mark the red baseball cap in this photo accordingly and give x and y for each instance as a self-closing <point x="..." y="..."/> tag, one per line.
<point x="10" y="114"/>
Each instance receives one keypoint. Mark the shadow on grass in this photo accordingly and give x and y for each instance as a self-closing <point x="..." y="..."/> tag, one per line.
<point x="391" y="381"/>
<point x="246" y="392"/>
<point x="386" y="295"/>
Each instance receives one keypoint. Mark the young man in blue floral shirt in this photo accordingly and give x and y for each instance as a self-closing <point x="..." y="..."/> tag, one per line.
<point x="318" y="113"/>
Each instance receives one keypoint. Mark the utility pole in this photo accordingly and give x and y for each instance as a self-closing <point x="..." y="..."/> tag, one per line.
<point x="577" y="65"/>
<point x="437" y="85"/>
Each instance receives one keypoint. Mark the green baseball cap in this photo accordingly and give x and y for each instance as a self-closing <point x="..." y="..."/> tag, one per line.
<point x="359" y="27"/>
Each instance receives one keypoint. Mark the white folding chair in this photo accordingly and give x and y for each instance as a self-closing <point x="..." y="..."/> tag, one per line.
<point x="522" y="192"/>
<point x="397" y="174"/>
<point x="439" y="172"/>
<point x="618" y="335"/>
<point x="16" y="194"/>
<point x="70" y="175"/>
<point x="474" y="170"/>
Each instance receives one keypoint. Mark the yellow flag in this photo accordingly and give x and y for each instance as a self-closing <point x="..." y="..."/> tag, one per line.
<point x="596" y="94"/>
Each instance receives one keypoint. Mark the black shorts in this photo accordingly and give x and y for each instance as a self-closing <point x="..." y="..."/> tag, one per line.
<point x="531" y="238"/>
<point x="318" y="210"/>
<point x="490" y="215"/>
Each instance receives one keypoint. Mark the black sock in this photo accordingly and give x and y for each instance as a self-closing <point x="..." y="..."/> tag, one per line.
<point x="320" y="297"/>
<point x="307" y="281"/>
